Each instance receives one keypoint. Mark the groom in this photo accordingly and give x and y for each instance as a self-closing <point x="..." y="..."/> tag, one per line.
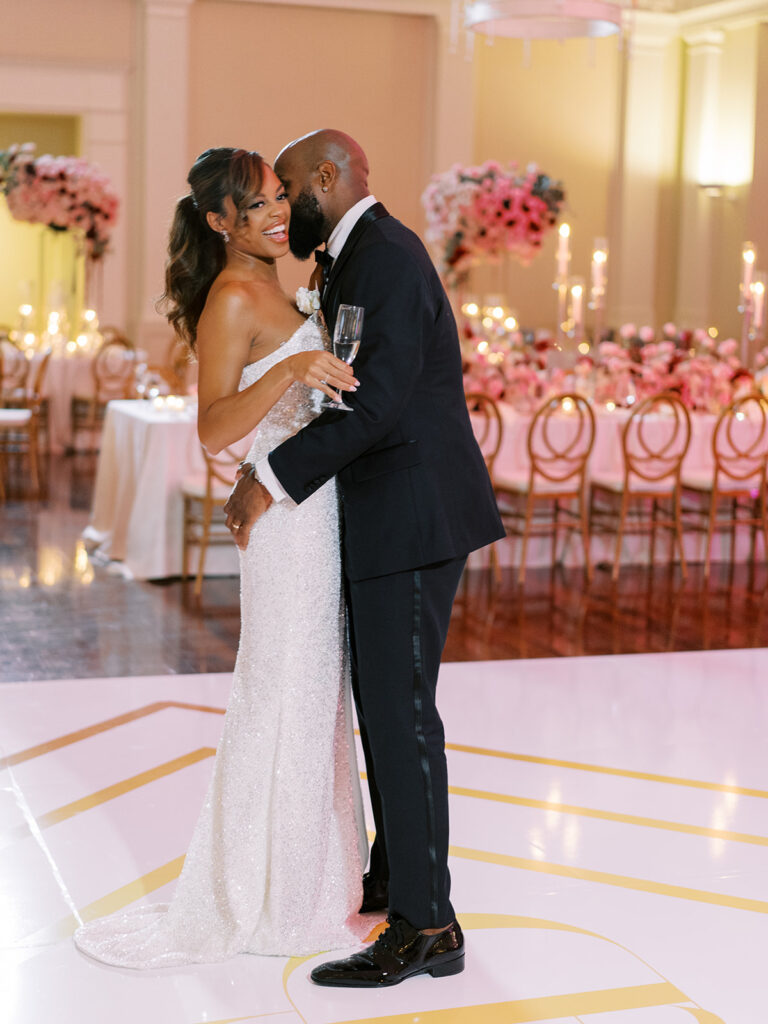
<point x="416" y="499"/>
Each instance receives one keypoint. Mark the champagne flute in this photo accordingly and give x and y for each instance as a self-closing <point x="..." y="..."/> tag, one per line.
<point x="346" y="341"/>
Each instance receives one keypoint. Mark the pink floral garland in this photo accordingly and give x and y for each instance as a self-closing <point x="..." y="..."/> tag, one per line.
<point x="475" y="213"/>
<point x="65" y="193"/>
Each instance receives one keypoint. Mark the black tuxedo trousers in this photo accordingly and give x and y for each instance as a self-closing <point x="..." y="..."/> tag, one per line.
<point x="398" y="626"/>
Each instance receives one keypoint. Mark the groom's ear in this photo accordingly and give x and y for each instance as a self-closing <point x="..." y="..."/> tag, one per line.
<point x="328" y="173"/>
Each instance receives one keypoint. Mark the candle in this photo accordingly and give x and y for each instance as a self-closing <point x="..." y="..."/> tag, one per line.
<point x="577" y="307"/>
<point x="747" y="268"/>
<point x="563" y="251"/>
<point x="599" y="261"/>
<point x="758" y="302"/>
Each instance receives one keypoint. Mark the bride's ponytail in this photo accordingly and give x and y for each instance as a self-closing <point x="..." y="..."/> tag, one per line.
<point x="196" y="252"/>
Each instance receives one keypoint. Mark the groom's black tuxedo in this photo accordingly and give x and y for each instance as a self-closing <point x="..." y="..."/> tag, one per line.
<point x="412" y="478"/>
<point x="416" y="500"/>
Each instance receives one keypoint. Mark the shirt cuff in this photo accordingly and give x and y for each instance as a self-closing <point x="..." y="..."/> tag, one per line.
<point x="267" y="476"/>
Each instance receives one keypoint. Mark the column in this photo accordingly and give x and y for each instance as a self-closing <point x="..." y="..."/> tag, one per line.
<point x="644" y="176"/>
<point x="698" y="221"/>
<point x="161" y="160"/>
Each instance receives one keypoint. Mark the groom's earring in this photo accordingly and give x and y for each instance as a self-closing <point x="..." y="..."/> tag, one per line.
<point x="225" y="236"/>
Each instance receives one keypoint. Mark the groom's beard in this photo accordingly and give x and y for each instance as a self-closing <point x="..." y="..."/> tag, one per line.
<point x="308" y="227"/>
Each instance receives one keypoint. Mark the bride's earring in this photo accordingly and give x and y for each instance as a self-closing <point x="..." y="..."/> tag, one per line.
<point x="225" y="235"/>
<point x="325" y="188"/>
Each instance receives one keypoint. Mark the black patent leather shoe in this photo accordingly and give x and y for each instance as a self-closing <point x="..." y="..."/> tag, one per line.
<point x="375" y="894"/>
<point x="400" y="952"/>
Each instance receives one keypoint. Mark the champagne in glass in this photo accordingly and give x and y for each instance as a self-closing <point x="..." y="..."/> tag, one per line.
<point x="346" y="341"/>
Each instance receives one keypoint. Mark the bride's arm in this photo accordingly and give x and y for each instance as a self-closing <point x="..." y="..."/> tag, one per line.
<point x="224" y="336"/>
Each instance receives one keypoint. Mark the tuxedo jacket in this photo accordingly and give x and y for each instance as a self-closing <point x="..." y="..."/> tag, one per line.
<point x="413" y="482"/>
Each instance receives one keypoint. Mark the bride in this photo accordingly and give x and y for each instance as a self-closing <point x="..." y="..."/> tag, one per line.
<point x="275" y="862"/>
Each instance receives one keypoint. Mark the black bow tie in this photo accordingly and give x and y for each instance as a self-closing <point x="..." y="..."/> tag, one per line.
<point x="325" y="261"/>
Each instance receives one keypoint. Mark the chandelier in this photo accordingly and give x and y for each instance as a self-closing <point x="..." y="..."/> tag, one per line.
<point x="544" y="19"/>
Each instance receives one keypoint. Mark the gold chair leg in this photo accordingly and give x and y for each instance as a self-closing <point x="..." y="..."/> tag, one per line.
<point x="526" y="532"/>
<point x="185" y="543"/>
<point x="710" y="531"/>
<point x="679" y="532"/>
<point x="764" y="518"/>
<point x="207" y="514"/>
<point x="555" y="520"/>
<point x="584" y="520"/>
<point x="34" y="470"/>
<point x="620" y="534"/>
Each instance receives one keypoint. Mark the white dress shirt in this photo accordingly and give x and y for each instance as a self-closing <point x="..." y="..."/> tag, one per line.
<point x="334" y="245"/>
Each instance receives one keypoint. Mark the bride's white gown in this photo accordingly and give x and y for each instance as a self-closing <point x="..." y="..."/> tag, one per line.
<point x="275" y="862"/>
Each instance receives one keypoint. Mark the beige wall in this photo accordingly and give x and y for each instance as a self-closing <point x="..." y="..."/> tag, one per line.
<point x="261" y="75"/>
<point x="561" y="113"/>
<point x="99" y="31"/>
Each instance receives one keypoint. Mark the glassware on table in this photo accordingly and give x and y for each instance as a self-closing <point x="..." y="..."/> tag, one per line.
<point x="347" y="335"/>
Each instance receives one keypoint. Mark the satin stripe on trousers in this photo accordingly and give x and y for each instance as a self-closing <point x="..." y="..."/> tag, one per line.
<point x="398" y="626"/>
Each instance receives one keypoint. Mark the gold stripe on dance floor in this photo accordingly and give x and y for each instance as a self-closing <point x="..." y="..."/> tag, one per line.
<point x="101" y="796"/>
<point x="625" y="773"/>
<point x="527" y="1011"/>
<point x="624" y="819"/>
<point x="98" y="727"/>
<point x="607" y="878"/>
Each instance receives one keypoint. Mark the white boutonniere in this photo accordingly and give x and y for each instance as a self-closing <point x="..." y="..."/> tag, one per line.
<point x="308" y="302"/>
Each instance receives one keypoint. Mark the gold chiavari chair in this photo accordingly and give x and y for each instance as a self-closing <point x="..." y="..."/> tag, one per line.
<point x="113" y="377"/>
<point x="654" y="441"/>
<point x="204" y="500"/>
<point x="488" y="428"/>
<point x="14" y="370"/>
<point x="560" y="440"/>
<point x="740" y="455"/>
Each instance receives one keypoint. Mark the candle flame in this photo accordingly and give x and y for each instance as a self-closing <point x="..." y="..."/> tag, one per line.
<point x="565" y="230"/>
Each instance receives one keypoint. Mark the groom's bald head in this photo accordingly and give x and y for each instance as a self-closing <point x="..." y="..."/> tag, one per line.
<point x="311" y="152"/>
<point x="324" y="174"/>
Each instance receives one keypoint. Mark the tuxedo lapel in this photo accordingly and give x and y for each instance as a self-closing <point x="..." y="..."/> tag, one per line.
<point x="373" y="213"/>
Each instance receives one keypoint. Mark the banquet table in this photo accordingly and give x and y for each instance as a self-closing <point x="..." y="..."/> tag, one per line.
<point x="136" y="517"/>
<point x="606" y="458"/>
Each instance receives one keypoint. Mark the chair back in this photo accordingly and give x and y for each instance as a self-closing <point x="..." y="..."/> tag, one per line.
<point x="655" y="438"/>
<point x="14" y="368"/>
<point x="113" y="367"/>
<point x="487" y="425"/>
<point x="178" y="360"/>
<point x="222" y="467"/>
<point x="560" y="439"/>
<point x="740" y="438"/>
<point x="38" y="379"/>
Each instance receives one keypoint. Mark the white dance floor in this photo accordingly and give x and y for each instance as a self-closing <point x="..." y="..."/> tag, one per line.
<point x="609" y="830"/>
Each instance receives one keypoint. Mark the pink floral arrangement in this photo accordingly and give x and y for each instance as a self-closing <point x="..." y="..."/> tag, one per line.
<point x="707" y="374"/>
<point x="65" y="193"/>
<point x="514" y="371"/>
<point x="481" y="212"/>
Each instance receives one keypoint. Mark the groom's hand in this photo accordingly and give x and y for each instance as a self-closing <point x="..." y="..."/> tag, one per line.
<point x="249" y="500"/>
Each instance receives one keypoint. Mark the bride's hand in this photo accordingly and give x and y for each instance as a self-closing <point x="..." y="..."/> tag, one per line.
<point x="322" y="371"/>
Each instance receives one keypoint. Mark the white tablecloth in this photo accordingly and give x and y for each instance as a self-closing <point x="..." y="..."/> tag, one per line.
<point x="606" y="457"/>
<point x="136" y="519"/>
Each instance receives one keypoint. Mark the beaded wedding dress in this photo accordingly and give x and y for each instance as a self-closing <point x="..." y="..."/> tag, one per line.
<point x="275" y="862"/>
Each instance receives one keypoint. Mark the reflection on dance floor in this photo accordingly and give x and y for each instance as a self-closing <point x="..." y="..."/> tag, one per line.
<point x="609" y="825"/>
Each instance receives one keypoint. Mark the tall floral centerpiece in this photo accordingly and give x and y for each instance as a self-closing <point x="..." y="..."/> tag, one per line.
<point x="475" y="214"/>
<point x="63" y="193"/>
